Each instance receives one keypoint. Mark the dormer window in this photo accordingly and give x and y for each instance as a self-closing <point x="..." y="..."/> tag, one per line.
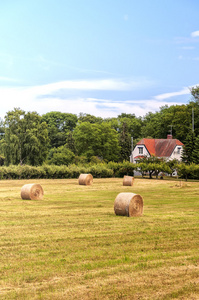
<point x="178" y="150"/>
<point x="140" y="150"/>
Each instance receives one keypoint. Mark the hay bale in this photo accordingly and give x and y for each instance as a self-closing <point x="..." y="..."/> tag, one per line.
<point x="32" y="192"/>
<point x="85" y="179"/>
<point x="128" y="180"/>
<point x="128" y="204"/>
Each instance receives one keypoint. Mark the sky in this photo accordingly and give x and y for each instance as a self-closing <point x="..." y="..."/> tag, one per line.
<point x="98" y="57"/>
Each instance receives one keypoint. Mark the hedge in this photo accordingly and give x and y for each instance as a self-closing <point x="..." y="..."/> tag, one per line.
<point x="102" y="170"/>
<point x="53" y="171"/>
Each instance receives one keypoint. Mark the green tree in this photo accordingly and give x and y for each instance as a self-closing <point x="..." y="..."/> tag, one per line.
<point x="133" y="125"/>
<point x="26" y="138"/>
<point x="114" y="123"/>
<point x="89" y="118"/>
<point x="2" y="129"/>
<point x="61" y="156"/>
<point x="195" y="154"/>
<point x="59" y="125"/>
<point x="173" y="164"/>
<point x="87" y="140"/>
<point x="125" y="143"/>
<point x="152" y="165"/>
<point x="109" y="143"/>
<point x="97" y="140"/>
<point x="189" y="145"/>
<point x="152" y="125"/>
<point x="195" y="93"/>
<point x="70" y="141"/>
<point x="159" y="124"/>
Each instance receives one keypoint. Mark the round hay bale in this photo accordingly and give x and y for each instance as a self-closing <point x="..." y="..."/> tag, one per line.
<point x="128" y="204"/>
<point x="85" y="179"/>
<point x="128" y="180"/>
<point x="32" y="192"/>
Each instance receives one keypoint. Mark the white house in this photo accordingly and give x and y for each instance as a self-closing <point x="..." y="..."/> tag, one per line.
<point x="163" y="148"/>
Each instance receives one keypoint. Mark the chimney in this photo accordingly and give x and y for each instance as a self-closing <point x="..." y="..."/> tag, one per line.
<point x="169" y="137"/>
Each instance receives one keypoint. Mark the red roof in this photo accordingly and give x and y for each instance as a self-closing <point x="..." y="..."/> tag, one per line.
<point x="160" y="147"/>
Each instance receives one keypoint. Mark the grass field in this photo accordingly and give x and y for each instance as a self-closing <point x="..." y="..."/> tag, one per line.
<point x="71" y="245"/>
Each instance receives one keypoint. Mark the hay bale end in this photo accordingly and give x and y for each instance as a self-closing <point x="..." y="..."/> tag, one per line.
<point x="128" y="204"/>
<point x="32" y="192"/>
<point x="85" y="179"/>
<point x="128" y="180"/>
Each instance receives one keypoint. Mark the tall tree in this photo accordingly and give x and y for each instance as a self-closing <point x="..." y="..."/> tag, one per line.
<point x="70" y="142"/>
<point x="26" y="138"/>
<point x="97" y="140"/>
<point x="125" y="143"/>
<point x="195" y="154"/>
<point x="176" y="119"/>
<point x="195" y="93"/>
<point x="89" y="118"/>
<point x="59" y="125"/>
<point x="189" y="146"/>
<point x="133" y="125"/>
<point x="152" y="125"/>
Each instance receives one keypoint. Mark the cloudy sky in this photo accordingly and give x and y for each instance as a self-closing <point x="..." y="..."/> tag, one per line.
<point x="102" y="57"/>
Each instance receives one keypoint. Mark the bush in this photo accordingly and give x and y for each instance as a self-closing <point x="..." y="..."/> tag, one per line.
<point x="99" y="170"/>
<point x="61" y="156"/>
<point x="188" y="171"/>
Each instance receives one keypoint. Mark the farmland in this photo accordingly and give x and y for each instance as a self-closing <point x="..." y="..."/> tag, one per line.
<point x="71" y="245"/>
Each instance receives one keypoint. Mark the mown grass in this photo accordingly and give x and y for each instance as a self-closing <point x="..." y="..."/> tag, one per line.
<point x="71" y="245"/>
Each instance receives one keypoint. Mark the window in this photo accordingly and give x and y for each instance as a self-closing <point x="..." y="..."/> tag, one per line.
<point x="140" y="150"/>
<point x="178" y="150"/>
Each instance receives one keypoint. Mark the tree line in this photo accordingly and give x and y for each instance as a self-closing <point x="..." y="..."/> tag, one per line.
<point x="57" y="138"/>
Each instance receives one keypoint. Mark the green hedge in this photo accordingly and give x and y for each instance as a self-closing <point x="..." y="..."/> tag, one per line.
<point x="53" y="171"/>
<point x="101" y="170"/>
<point x="121" y="169"/>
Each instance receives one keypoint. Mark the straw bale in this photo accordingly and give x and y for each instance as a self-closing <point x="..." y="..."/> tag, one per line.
<point x="128" y="204"/>
<point x="32" y="192"/>
<point x="128" y="180"/>
<point x="85" y="179"/>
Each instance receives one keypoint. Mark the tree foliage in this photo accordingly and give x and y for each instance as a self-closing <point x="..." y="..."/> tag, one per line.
<point x="61" y="156"/>
<point x="26" y="138"/>
<point x="195" y="93"/>
<point x="189" y="146"/>
<point x="89" y="118"/>
<point x="59" y="125"/>
<point x="125" y="143"/>
<point x="153" y="166"/>
<point x="97" y="140"/>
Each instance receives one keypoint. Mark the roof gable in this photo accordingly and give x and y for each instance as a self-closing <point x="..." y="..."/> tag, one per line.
<point x="160" y="147"/>
<point x="149" y="144"/>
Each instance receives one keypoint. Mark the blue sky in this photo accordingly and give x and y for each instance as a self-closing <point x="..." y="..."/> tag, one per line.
<point x="102" y="57"/>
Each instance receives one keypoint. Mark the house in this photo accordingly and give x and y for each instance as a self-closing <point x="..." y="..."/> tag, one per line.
<point x="163" y="148"/>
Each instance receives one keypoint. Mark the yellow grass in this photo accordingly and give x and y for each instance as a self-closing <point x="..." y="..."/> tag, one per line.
<point x="71" y="245"/>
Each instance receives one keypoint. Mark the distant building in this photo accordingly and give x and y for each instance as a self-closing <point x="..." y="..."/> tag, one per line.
<point x="167" y="149"/>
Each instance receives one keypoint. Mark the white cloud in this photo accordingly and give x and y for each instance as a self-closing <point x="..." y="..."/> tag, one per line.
<point x="184" y="91"/>
<point x="195" y="34"/>
<point x="101" y="84"/>
<point x="43" y="99"/>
